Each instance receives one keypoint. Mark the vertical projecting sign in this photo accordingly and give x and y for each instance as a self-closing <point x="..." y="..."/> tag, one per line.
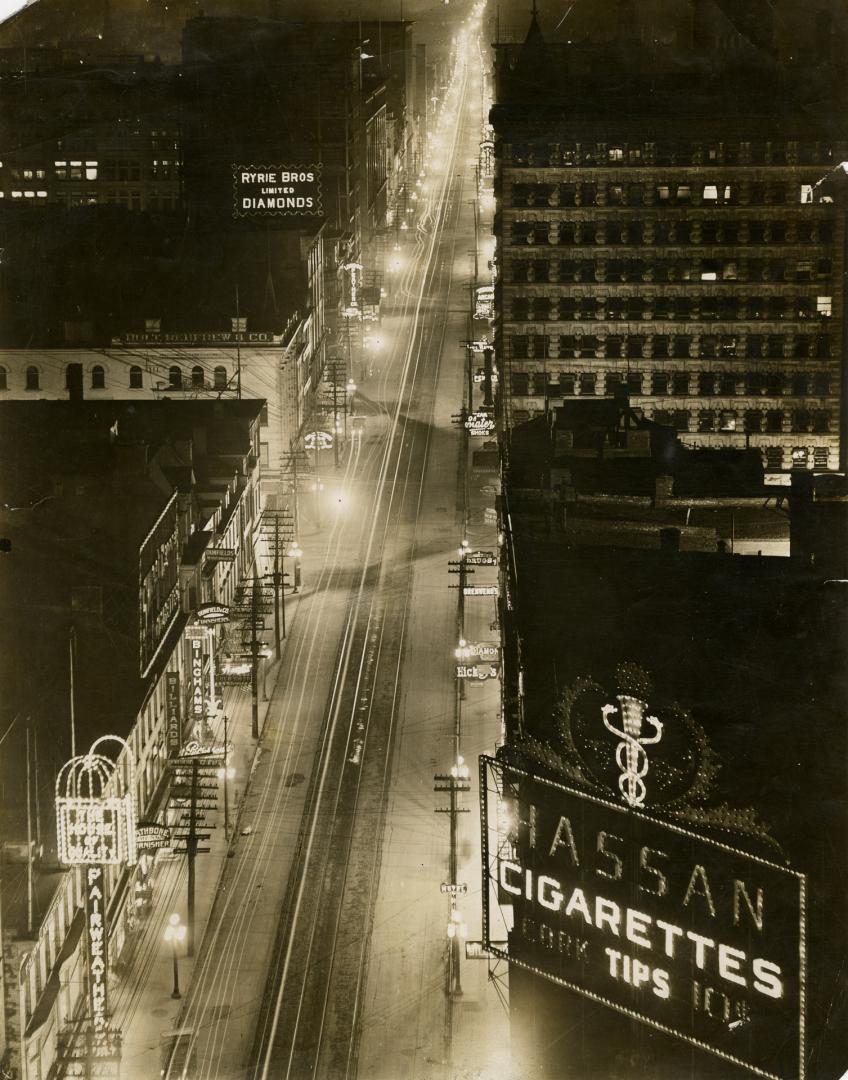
<point x="173" y="714"/>
<point x="196" y="669"/>
<point x="96" y="935"/>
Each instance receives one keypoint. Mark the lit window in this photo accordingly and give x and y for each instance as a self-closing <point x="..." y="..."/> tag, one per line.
<point x="41" y="194"/>
<point x="709" y="275"/>
<point x="29" y="194"/>
<point x="663" y="192"/>
<point x="616" y="153"/>
<point x="824" y="306"/>
<point x="710" y="193"/>
<point x="27" y="174"/>
<point x="806" y="193"/>
<point x="17" y="194"/>
<point x="727" y="420"/>
<point x="799" y="457"/>
<point x="90" y="172"/>
<point x="40" y="174"/>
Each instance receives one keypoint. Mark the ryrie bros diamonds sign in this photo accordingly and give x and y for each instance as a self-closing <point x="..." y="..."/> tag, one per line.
<point x="694" y="937"/>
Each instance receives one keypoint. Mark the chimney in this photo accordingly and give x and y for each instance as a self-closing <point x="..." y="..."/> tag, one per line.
<point x="74" y="376"/>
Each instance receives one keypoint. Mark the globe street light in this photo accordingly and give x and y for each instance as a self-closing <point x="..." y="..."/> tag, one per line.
<point x="175" y="933"/>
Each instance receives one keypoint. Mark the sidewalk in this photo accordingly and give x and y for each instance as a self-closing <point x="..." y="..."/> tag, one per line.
<point x="141" y="1000"/>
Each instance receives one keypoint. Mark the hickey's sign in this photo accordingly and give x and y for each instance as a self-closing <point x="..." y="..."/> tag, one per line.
<point x="692" y="936"/>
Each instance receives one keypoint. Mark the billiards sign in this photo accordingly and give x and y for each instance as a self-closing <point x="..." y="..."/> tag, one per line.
<point x="690" y="935"/>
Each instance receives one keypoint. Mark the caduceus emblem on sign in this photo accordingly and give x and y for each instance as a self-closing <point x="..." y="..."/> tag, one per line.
<point x="630" y="754"/>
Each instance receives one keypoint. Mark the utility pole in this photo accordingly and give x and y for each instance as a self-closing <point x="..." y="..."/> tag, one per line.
<point x="193" y="779"/>
<point x="455" y="783"/>
<point x="277" y="531"/>
<point x="29" y="837"/>
<point x="72" y="648"/>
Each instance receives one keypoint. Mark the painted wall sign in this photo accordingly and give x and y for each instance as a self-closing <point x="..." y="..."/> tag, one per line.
<point x="694" y="937"/>
<point x="199" y="337"/>
<point x="276" y="190"/>
<point x="173" y="712"/>
<point x="220" y="554"/>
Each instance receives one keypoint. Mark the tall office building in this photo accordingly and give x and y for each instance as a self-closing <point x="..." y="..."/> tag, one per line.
<point x="659" y="227"/>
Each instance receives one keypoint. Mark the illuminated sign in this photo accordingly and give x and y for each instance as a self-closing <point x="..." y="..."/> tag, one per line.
<point x="484" y="302"/>
<point x="480" y="376"/>
<point x="220" y="554"/>
<point x="196" y="674"/>
<point x="480" y="423"/>
<point x="480" y="590"/>
<point x="476" y="672"/>
<point x="481" y="558"/>
<point x="276" y="190"/>
<point x="95" y="811"/>
<point x="149" y="836"/>
<point x="479" y="650"/>
<point x="95" y="919"/>
<point x="213" y="613"/>
<point x="198" y="337"/>
<point x="478" y="346"/>
<point x="690" y="935"/>
<point x="173" y="712"/>
<point x="321" y="440"/>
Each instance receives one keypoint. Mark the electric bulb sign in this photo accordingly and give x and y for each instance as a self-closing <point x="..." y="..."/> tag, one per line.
<point x="276" y="190"/>
<point x="692" y="936"/>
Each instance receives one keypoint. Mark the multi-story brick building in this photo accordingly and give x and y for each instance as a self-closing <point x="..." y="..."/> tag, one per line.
<point x="657" y="228"/>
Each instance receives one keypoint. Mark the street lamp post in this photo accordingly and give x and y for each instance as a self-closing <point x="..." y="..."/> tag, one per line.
<point x="175" y="933"/>
<point x="226" y="773"/>
<point x="295" y="552"/>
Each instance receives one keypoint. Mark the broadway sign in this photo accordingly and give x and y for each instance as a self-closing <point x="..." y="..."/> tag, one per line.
<point x="692" y="936"/>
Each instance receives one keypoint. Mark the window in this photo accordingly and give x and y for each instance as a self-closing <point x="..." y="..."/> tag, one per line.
<point x="263" y="415"/>
<point x="566" y="385"/>
<point x="613" y="347"/>
<point x="541" y="345"/>
<point x="589" y="345"/>
<point x="659" y="383"/>
<point x="662" y="416"/>
<point x="824" y="306"/>
<point x="541" y="380"/>
<point x="615" y="153"/>
<point x="707" y="347"/>
<point x="800" y="455"/>
<point x="774" y="384"/>
<point x="197" y="375"/>
<point x="706" y="384"/>
<point x="634" y="382"/>
<point x="821" y="384"/>
<point x="520" y="346"/>
<point x="635" y="347"/>
<point x="754" y="346"/>
<point x="32" y="378"/>
<point x="802" y="420"/>
<point x="681" y="345"/>
<point x="520" y="308"/>
<point x="684" y="193"/>
<point x="660" y="347"/>
<point x="4" y="379"/>
<point x="680" y="383"/>
<point x="706" y="420"/>
<point x="822" y="345"/>
<point x="663" y="193"/>
<point x="774" y="457"/>
<point x="136" y="378"/>
<point x="753" y="421"/>
<point x="727" y="420"/>
<point x="220" y="376"/>
<point x="567" y="346"/>
<point x="710" y="193"/>
<point x="542" y="308"/>
<point x="588" y="384"/>
<point x="821" y="422"/>
<point x="680" y="419"/>
<point x="820" y="457"/>
<point x="774" y="346"/>
<point x="98" y="377"/>
<point x="264" y="455"/>
<point x="520" y="383"/>
<point x="727" y="384"/>
<point x="800" y="382"/>
<point x="728" y="345"/>
<point x="774" y="421"/>
<point x="175" y="378"/>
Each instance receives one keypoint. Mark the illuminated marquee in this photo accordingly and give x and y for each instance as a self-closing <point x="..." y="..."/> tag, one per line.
<point x="694" y="937"/>
<point x="276" y="190"/>
<point x="95" y="812"/>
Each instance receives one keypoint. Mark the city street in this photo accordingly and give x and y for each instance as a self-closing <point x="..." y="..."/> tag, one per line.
<point x="326" y="950"/>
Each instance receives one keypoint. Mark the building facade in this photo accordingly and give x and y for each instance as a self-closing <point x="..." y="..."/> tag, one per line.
<point x="680" y="254"/>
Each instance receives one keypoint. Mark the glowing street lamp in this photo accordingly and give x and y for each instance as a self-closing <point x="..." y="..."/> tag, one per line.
<point x="175" y="933"/>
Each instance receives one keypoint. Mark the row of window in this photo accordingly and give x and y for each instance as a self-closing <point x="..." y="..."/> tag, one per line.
<point x="680" y="383"/>
<point x="637" y="193"/>
<point x="664" y="271"/>
<point x="675" y="308"/>
<point x="97" y="378"/>
<point x="613" y="233"/>
<point x="676" y="153"/>
<point x="668" y="346"/>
